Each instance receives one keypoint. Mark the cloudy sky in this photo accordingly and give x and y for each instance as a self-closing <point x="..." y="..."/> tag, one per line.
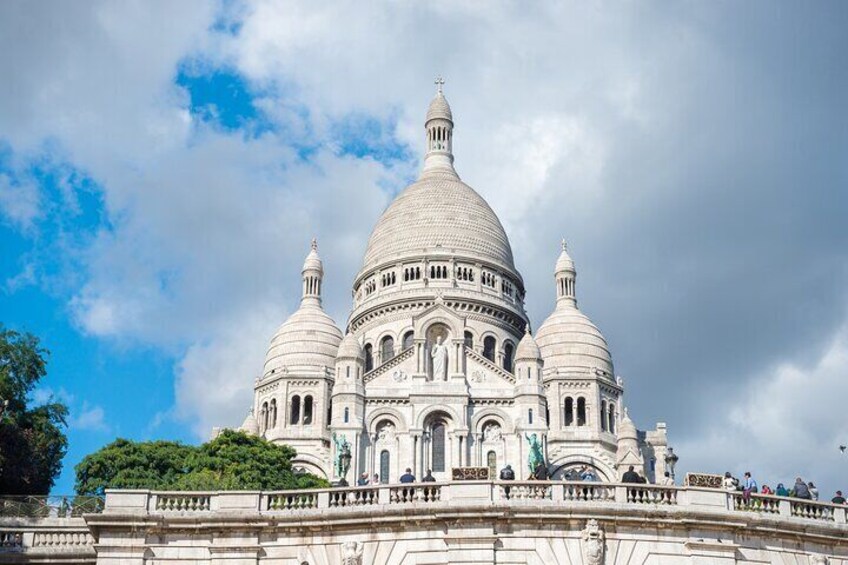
<point x="163" y="167"/>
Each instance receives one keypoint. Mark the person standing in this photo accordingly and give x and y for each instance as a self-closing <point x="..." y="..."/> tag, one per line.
<point x="749" y="486"/>
<point x="507" y="474"/>
<point x="667" y="481"/>
<point x="838" y="499"/>
<point x="630" y="476"/>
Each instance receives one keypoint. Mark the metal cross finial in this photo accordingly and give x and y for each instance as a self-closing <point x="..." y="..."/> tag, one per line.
<point x="314" y="244"/>
<point x="439" y="83"/>
<point x="564" y="245"/>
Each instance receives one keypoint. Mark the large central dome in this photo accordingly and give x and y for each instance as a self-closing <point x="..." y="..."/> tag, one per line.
<point x="439" y="213"/>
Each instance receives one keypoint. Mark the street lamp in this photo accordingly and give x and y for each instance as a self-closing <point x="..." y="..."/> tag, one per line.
<point x="345" y="457"/>
<point x="671" y="460"/>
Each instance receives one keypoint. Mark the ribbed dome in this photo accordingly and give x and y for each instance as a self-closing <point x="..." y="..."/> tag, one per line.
<point x="438" y="213"/>
<point x="350" y="348"/>
<point x="313" y="261"/>
<point x="439" y="108"/>
<point x="564" y="263"/>
<point x="309" y="339"/>
<point x="250" y="426"/>
<point x="569" y="340"/>
<point x="627" y="429"/>
<point x="527" y="349"/>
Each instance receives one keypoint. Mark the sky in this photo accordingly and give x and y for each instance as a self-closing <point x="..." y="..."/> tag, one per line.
<point x="164" y="166"/>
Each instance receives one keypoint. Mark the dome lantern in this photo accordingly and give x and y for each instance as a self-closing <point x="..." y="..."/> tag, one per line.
<point x="566" y="277"/>
<point x="313" y="275"/>
<point x="439" y="128"/>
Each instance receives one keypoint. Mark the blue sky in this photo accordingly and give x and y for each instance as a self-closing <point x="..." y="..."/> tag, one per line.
<point x="161" y="178"/>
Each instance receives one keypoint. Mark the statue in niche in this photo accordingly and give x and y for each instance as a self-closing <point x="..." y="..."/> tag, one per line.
<point x="343" y="456"/>
<point x="439" y="355"/>
<point x="593" y="543"/>
<point x="386" y="432"/>
<point x="352" y="553"/>
<point x="492" y="432"/>
<point x="818" y="560"/>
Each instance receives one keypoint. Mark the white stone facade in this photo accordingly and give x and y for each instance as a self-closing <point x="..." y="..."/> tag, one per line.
<point x="439" y="264"/>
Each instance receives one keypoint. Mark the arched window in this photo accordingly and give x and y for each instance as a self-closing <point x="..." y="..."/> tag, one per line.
<point x="329" y="411"/>
<point x="369" y="357"/>
<point x="529" y="415"/>
<point x="569" y="411"/>
<point x="604" y="419"/>
<point x="346" y="415"/>
<point x="295" y="410"/>
<point x="489" y="348"/>
<point x="273" y="413"/>
<point x="581" y="411"/>
<point x="492" y="464"/>
<point x="611" y="411"/>
<point x="263" y="416"/>
<point x="407" y="339"/>
<point x="469" y="340"/>
<point x="509" y="353"/>
<point x="384" y="467"/>
<point x="387" y="349"/>
<point x="307" y="410"/>
<point x="437" y="436"/>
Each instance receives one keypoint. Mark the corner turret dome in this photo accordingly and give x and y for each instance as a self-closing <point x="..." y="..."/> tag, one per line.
<point x="527" y="349"/>
<point x="250" y="426"/>
<point x="350" y="348"/>
<point x="309" y="339"/>
<point x="568" y="339"/>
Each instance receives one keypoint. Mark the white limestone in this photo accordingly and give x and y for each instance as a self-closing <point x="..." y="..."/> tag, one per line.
<point x="439" y="268"/>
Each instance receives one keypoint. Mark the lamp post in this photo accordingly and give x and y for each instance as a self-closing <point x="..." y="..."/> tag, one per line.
<point x="345" y="457"/>
<point x="671" y="459"/>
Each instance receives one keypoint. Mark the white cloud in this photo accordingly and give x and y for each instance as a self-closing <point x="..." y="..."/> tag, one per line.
<point x="20" y="202"/>
<point x="89" y="418"/>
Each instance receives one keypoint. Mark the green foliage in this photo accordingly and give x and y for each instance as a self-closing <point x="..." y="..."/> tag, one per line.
<point x="32" y="439"/>
<point x="231" y="461"/>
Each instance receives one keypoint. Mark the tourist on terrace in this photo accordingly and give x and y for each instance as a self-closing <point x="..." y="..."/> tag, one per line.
<point x="801" y="490"/>
<point x="588" y="475"/>
<point x="781" y="490"/>
<point x="429" y="478"/>
<point x="407" y="477"/>
<point x="749" y="486"/>
<point x="838" y="499"/>
<point x="729" y="483"/>
<point x="766" y="490"/>
<point x="507" y="474"/>
<point x="571" y="475"/>
<point x="541" y="473"/>
<point x="376" y="479"/>
<point x="814" y="492"/>
<point x="630" y="476"/>
<point x="667" y="481"/>
<point x="363" y="480"/>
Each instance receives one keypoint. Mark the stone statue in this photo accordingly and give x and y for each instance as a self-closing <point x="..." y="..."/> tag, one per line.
<point x="342" y="460"/>
<point x="593" y="543"/>
<point x="352" y="553"/>
<point x="818" y="560"/>
<point x="535" y="456"/>
<point x="439" y="354"/>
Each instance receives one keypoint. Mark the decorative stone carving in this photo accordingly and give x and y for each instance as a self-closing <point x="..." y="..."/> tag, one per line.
<point x="704" y="480"/>
<point x="439" y="354"/>
<point x="386" y="432"/>
<point x="478" y="376"/>
<point x="818" y="560"/>
<point x="399" y="376"/>
<point x="352" y="553"/>
<point x="593" y="543"/>
<point x="492" y="432"/>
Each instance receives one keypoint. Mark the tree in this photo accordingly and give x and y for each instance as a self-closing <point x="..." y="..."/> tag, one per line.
<point x="231" y="461"/>
<point x="32" y="438"/>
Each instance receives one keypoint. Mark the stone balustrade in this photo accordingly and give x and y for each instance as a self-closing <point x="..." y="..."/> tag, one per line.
<point x="555" y="493"/>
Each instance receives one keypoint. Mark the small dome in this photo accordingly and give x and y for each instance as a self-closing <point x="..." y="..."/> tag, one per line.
<point x="564" y="263"/>
<point x="308" y="339"/>
<point x="627" y="429"/>
<point x="350" y="348"/>
<point x="313" y="261"/>
<point x="250" y="426"/>
<point x="439" y="108"/>
<point x="569" y="340"/>
<point x="527" y="349"/>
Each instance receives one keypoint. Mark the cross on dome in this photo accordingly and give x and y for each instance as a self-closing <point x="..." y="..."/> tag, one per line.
<point x="439" y="83"/>
<point x="315" y="244"/>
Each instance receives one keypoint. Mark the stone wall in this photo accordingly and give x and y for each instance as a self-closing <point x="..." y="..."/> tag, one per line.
<point x="440" y="523"/>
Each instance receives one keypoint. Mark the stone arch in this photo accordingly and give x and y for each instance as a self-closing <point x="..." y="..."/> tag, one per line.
<point x="492" y="413"/>
<point x="386" y="413"/>
<point x="310" y="463"/>
<point x="605" y="472"/>
<point x="453" y="419"/>
<point x="439" y="315"/>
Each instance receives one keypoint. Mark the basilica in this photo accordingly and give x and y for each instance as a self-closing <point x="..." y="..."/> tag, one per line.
<point x="439" y="366"/>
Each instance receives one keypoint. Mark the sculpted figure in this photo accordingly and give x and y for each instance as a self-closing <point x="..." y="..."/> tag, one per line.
<point x="593" y="543"/>
<point x="439" y="354"/>
<point x="352" y="553"/>
<point x="818" y="560"/>
<point x="342" y="459"/>
<point x="535" y="456"/>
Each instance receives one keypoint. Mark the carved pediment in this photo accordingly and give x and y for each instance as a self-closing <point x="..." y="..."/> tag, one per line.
<point x="482" y="373"/>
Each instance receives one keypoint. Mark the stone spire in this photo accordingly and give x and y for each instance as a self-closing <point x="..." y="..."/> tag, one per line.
<point x="313" y="276"/>
<point x="439" y="128"/>
<point x="566" y="277"/>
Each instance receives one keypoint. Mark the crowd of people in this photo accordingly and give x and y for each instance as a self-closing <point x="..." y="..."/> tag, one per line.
<point x="805" y="490"/>
<point x="802" y="489"/>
